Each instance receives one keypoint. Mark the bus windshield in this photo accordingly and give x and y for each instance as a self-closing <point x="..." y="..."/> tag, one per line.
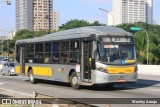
<point x="116" y="53"/>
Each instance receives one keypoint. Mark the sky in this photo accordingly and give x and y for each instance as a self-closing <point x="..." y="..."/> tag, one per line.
<point x="69" y="9"/>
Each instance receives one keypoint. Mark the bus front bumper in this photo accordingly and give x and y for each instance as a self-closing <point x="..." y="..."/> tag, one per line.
<point x="99" y="77"/>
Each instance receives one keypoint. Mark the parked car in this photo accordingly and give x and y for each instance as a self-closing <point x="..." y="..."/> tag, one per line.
<point x="3" y="59"/>
<point x="8" y="68"/>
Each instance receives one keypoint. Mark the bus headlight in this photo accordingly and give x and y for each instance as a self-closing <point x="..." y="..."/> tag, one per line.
<point x="102" y="69"/>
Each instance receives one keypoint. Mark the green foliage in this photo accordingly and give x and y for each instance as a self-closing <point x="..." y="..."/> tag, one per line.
<point x="74" y="24"/>
<point x="78" y="23"/>
<point x="96" y="23"/>
<point x="141" y="41"/>
<point x="8" y="45"/>
<point x="139" y="37"/>
<point x="40" y="33"/>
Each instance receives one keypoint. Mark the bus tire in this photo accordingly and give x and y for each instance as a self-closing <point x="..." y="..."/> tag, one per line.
<point x="74" y="81"/>
<point x="31" y="77"/>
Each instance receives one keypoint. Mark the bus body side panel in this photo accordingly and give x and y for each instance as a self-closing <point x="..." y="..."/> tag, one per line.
<point x="53" y="72"/>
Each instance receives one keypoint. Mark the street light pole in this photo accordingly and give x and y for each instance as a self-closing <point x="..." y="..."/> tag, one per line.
<point x="109" y="13"/>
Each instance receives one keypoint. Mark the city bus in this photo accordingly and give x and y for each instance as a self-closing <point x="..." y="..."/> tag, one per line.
<point x="81" y="56"/>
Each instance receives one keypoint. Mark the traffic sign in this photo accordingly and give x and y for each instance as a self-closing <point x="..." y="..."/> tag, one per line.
<point x="135" y="28"/>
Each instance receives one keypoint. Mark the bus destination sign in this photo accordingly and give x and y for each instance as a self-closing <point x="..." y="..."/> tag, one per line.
<point x="117" y="39"/>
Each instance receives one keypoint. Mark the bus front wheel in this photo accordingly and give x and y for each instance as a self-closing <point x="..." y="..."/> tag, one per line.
<point x="74" y="81"/>
<point x="31" y="77"/>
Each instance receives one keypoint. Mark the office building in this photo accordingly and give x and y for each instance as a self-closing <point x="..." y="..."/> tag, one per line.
<point x="34" y="14"/>
<point x="56" y="22"/>
<point x="130" y="11"/>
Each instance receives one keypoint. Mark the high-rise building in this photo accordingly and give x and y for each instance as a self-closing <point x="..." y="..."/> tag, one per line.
<point x="34" y="14"/>
<point x="56" y="22"/>
<point x="130" y="11"/>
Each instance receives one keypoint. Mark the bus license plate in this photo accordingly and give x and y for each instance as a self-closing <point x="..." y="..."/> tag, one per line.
<point x="121" y="80"/>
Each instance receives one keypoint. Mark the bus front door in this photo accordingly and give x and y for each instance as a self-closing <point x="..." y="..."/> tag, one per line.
<point x="22" y="60"/>
<point x="86" y="55"/>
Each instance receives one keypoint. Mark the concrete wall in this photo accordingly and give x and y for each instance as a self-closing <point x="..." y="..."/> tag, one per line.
<point x="152" y="70"/>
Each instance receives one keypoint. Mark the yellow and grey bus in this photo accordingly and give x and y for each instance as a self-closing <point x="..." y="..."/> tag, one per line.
<point x="81" y="56"/>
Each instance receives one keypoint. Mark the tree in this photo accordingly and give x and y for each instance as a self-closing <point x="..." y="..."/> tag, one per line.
<point x="96" y="23"/>
<point x="40" y="33"/>
<point x="74" y="24"/>
<point x="22" y="34"/>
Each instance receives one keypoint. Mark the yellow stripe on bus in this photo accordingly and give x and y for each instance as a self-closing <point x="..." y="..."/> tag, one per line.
<point x="120" y="70"/>
<point x="43" y="71"/>
<point x="130" y="61"/>
<point x="17" y="69"/>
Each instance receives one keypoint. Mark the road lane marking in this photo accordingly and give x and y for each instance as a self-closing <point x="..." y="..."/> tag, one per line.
<point x="1" y="83"/>
<point x="155" y="90"/>
<point x="16" y="92"/>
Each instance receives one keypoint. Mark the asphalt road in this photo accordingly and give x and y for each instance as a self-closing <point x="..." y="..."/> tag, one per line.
<point x="145" y="87"/>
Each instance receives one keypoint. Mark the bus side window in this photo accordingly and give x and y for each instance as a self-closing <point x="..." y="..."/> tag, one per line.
<point x="30" y="53"/>
<point x="55" y="52"/>
<point x="65" y="57"/>
<point x="39" y="53"/>
<point x="74" y="52"/>
<point x="47" y="56"/>
<point x="65" y="52"/>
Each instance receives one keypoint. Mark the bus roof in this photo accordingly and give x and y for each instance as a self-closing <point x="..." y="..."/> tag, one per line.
<point x="78" y="33"/>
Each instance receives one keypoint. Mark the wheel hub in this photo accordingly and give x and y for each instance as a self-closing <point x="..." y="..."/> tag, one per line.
<point x="31" y="77"/>
<point x="74" y="80"/>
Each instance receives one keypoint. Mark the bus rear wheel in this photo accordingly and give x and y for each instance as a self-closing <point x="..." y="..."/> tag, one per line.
<point x="74" y="81"/>
<point x="31" y="77"/>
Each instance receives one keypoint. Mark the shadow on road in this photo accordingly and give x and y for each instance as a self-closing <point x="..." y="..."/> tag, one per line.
<point x="51" y="83"/>
<point x="141" y="83"/>
<point x="4" y="96"/>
